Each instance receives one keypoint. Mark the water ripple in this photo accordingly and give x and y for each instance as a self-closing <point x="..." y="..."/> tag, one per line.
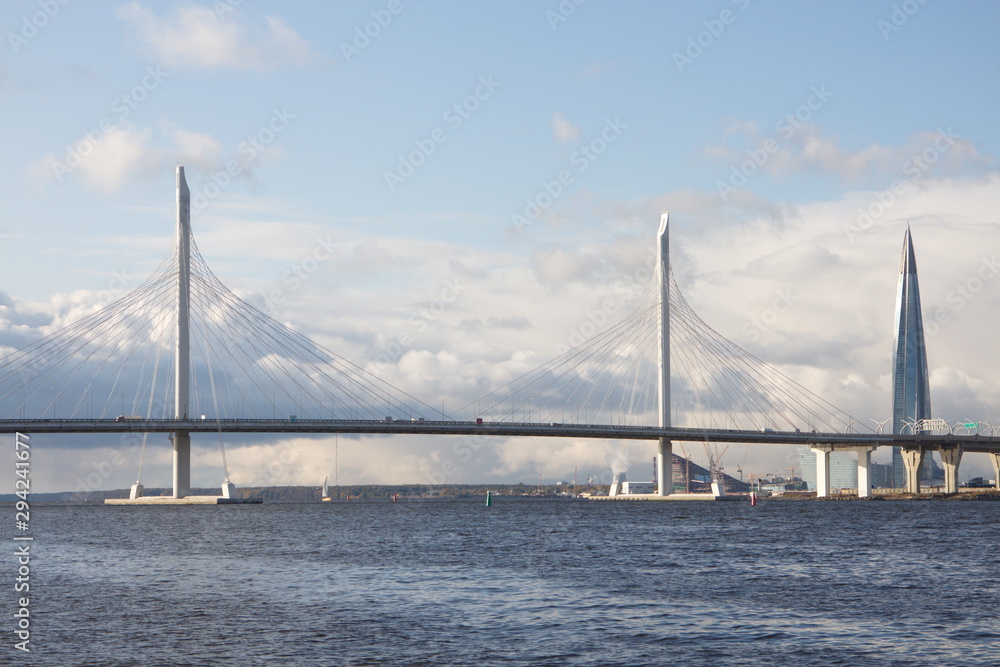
<point x="524" y="582"/>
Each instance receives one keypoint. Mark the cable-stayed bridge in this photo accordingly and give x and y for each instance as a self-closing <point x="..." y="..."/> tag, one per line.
<point x="182" y="354"/>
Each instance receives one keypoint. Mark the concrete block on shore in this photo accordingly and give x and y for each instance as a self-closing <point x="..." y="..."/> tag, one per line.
<point x="187" y="500"/>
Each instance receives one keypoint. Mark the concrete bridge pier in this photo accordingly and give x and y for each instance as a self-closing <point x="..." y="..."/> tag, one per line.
<point x="913" y="461"/>
<point x="665" y="468"/>
<point x="182" y="464"/>
<point x="995" y="460"/>
<point x="864" y="470"/>
<point x="951" y="457"/>
<point x="822" y="470"/>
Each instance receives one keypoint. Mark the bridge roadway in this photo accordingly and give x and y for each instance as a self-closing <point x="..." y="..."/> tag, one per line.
<point x="969" y="443"/>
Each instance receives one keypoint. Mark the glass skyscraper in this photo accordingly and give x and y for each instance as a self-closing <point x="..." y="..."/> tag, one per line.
<point x="911" y="396"/>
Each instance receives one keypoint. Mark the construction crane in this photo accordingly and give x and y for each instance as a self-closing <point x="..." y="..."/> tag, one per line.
<point x="746" y="453"/>
<point x="715" y="461"/>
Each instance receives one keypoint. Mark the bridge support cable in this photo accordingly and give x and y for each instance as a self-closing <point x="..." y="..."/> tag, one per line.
<point x="215" y="406"/>
<point x="291" y="366"/>
<point x="109" y="362"/>
<point x="263" y="368"/>
<point x="137" y="488"/>
<point x="612" y="378"/>
<point x="68" y="361"/>
<point x="586" y="379"/>
<point x="755" y="390"/>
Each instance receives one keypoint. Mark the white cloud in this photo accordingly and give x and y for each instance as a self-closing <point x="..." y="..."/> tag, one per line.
<point x="563" y="130"/>
<point x="806" y="148"/>
<point x="195" y="148"/>
<point x="523" y="458"/>
<point x="555" y="266"/>
<point x="106" y="160"/>
<point x="103" y="164"/>
<point x="198" y="37"/>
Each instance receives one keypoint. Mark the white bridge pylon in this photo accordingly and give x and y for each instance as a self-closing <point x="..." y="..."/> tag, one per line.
<point x="665" y="455"/>
<point x="182" y="349"/>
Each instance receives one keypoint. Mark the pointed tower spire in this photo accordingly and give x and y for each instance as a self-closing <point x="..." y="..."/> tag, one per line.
<point x="908" y="262"/>
<point x="911" y="396"/>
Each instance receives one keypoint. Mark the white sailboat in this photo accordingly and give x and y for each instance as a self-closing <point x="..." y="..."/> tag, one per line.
<point x="326" y="490"/>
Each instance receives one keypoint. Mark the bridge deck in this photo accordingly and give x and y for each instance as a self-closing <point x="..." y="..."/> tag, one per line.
<point x="969" y="443"/>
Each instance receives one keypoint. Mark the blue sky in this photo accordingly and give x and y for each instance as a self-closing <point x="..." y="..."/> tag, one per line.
<point x="838" y="101"/>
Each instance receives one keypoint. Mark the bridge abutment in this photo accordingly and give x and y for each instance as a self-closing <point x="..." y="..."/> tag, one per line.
<point x="995" y="460"/>
<point x="913" y="461"/>
<point x="951" y="457"/>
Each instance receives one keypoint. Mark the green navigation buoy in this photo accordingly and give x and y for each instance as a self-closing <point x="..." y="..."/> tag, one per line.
<point x="489" y="499"/>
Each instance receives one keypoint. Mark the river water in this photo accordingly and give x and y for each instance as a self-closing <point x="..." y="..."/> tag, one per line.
<point x="524" y="582"/>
